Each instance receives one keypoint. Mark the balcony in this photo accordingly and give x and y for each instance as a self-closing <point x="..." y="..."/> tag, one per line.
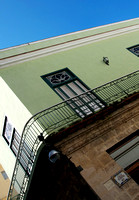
<point x="61" y="116"/>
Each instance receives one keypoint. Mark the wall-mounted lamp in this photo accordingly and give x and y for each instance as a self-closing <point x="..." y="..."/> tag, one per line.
<point x="106" y="60"/>
<point x="54" y="156"/>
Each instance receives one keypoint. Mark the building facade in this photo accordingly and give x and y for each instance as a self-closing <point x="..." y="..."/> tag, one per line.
<point x="77" y="93"/>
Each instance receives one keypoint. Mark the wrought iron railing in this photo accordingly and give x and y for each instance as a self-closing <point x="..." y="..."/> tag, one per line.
<point x="119" y="88"/>
<point x="59" y="116"/>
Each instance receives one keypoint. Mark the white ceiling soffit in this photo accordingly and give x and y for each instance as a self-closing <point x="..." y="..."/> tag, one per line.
<point x="5" y="62"/>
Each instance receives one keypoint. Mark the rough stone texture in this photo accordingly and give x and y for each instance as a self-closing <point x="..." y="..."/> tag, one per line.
<point x="137" y="197"/>
<point x="87" y="147"/>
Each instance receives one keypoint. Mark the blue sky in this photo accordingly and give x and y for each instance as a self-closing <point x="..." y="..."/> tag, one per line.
<point x="23" y="21"/>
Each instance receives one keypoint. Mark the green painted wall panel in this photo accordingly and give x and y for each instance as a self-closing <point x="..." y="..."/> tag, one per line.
<point x="85" y="61"/>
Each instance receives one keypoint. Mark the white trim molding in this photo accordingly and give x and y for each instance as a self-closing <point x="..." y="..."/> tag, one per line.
<point x="45" y="51"/>
<point x="72" y="33"/>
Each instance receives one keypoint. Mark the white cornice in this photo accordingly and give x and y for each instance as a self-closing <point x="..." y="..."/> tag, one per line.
<point x="5" y="62"/>
<point x="72" y="33"/>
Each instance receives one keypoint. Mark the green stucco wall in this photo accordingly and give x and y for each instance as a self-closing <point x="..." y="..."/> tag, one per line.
<point x="85" y="61"/>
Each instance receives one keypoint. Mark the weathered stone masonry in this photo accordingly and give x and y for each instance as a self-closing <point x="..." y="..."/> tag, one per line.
<point x="87" y="148"/>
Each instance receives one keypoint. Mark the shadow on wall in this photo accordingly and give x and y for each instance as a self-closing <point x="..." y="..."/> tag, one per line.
<point x="58" y="180"/>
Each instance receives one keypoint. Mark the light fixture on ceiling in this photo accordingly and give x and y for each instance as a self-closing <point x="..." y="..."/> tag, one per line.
<point x="54" y="156"/>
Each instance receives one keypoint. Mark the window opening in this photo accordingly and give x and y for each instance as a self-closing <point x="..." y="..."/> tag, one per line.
<point x="15" y="142"/>
<point x="4" y="175"/>
<point x="134" y="50"/>
<point x="7" y="131"/>
<point x="67" y="86"/>
<point x="13" y="138"/>
<point x="126" y="154"/>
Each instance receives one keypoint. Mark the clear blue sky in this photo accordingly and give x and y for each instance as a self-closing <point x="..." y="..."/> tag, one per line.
<point x="23" y="21"/>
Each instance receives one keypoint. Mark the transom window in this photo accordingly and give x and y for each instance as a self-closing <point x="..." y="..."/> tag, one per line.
<point x="67" y="86"/>
<point x="134" y="50"/>
<point x="59" y="78"/>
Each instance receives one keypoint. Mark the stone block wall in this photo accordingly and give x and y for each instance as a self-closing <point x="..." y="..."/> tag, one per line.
<point x="87" y="148"/>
